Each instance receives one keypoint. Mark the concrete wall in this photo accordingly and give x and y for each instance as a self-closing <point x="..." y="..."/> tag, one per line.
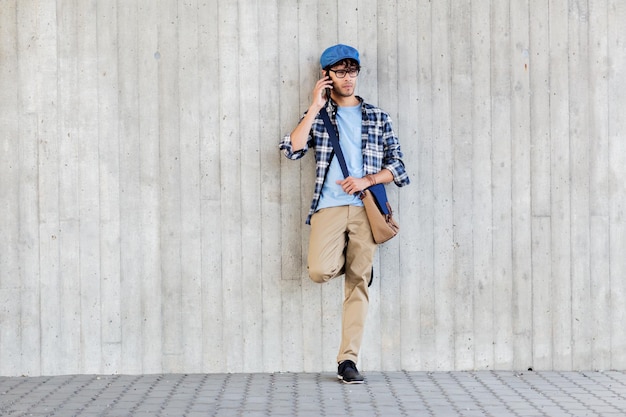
<point x="149" y="224"/>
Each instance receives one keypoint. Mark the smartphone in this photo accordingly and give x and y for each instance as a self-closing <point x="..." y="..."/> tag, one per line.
<point x="328" y="89"/>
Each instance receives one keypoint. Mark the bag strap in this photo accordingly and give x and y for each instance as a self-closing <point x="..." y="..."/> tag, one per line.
<point x="334" y="139"/>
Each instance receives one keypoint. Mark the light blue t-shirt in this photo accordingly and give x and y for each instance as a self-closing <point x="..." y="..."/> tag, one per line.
<point x="349" y="125"/>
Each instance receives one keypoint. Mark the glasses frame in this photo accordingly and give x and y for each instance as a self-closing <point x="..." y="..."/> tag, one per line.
<point x="345" y="72"/>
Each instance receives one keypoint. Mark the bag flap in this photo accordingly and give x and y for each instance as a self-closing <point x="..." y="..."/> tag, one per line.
<point x="380" y="195"/>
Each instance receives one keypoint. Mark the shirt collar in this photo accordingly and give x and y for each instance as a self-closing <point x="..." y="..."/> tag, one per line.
<point x="331" y="106"/>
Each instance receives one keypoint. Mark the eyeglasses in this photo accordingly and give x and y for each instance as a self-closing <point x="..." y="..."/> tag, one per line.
<point x="342" y="72"/>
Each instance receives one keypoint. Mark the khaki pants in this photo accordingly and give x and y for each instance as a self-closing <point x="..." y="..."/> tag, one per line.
<point x="341" y="242"/>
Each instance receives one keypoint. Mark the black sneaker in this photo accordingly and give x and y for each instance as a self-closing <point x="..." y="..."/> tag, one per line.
<point x="348" y="373"/>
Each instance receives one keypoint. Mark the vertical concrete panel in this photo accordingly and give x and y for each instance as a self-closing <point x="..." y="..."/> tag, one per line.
<point x="29" y="312"/>
<point x="521" y="213"/>
<point x="560" y="186"/>
<point x="249" y="126"/>
<point x="410" y="245"/>
<point x="28" y="121"/>
<point x="9" y="148"/>
<point x="617" y="173"/>
<point x="600" y="316"/>
<point x="214" y="354"/>
<point x="540" y="157"/>
<point x="69" y="212"/>
<point x="149" y="156"/>
<point x="49" y="257"/>
<point x="543" y="313"/>
<point x="231" y="176"/>
<point x="88" y="188"/>
<point x="423" y="182"/>
<point x="10" y="144"/>
<point x="442" y="188"/>
<point x="130" y="188"/>
<point x="10" y="330"/>
<point x="482" y="198"/>
<point x="293" y="259"/>
<point x="580" y="176"/>
<point x="108" y="117"/>
<point x="169" y="23"/>
<point x="501" y="182"/>
<point x="313" y="301"/>
<point x="270" y="219"/>
<point x="388" y="283"/>
<point x="461" y="129"/>
<point x="599" y="197"/>
<point x="189" y="74"/>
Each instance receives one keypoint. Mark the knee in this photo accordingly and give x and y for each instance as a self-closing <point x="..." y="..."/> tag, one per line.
<point x="321" y="276"/>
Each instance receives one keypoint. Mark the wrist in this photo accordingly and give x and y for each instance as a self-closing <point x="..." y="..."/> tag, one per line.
<point x="314" y="108"/>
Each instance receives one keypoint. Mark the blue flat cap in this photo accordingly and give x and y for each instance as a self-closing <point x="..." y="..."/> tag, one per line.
<point x="338" y="53"/>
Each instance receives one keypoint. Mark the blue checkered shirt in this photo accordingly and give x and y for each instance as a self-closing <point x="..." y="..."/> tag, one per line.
<point x="380" y="146"/>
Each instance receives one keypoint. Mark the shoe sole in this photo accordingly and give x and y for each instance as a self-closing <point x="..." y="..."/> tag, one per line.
<point x="339" y="377"/>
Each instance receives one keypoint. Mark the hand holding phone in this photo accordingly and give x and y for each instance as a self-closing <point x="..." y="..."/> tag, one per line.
<point x="321" y="93"/>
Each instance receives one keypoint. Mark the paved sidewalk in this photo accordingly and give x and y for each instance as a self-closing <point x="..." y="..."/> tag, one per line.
<point x="385" y="394"/>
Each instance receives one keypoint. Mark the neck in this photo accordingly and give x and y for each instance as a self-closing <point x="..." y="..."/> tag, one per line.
<point x="345" y="101"/>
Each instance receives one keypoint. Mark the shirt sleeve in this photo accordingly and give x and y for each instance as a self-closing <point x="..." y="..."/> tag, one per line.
<point x="285" y="146"/>
<point x="392" y="158"/>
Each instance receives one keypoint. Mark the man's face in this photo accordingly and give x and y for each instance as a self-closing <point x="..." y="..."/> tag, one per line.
<point x="345" y="86"/>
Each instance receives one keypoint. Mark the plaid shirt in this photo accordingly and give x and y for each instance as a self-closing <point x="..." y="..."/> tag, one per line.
<point x="380" y="146"/>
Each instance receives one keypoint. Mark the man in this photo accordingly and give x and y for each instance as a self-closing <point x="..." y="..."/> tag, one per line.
<point x="341" y="240"/>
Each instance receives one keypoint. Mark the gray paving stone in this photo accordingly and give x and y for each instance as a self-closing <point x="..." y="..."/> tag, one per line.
<point x="469" y="394"/>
